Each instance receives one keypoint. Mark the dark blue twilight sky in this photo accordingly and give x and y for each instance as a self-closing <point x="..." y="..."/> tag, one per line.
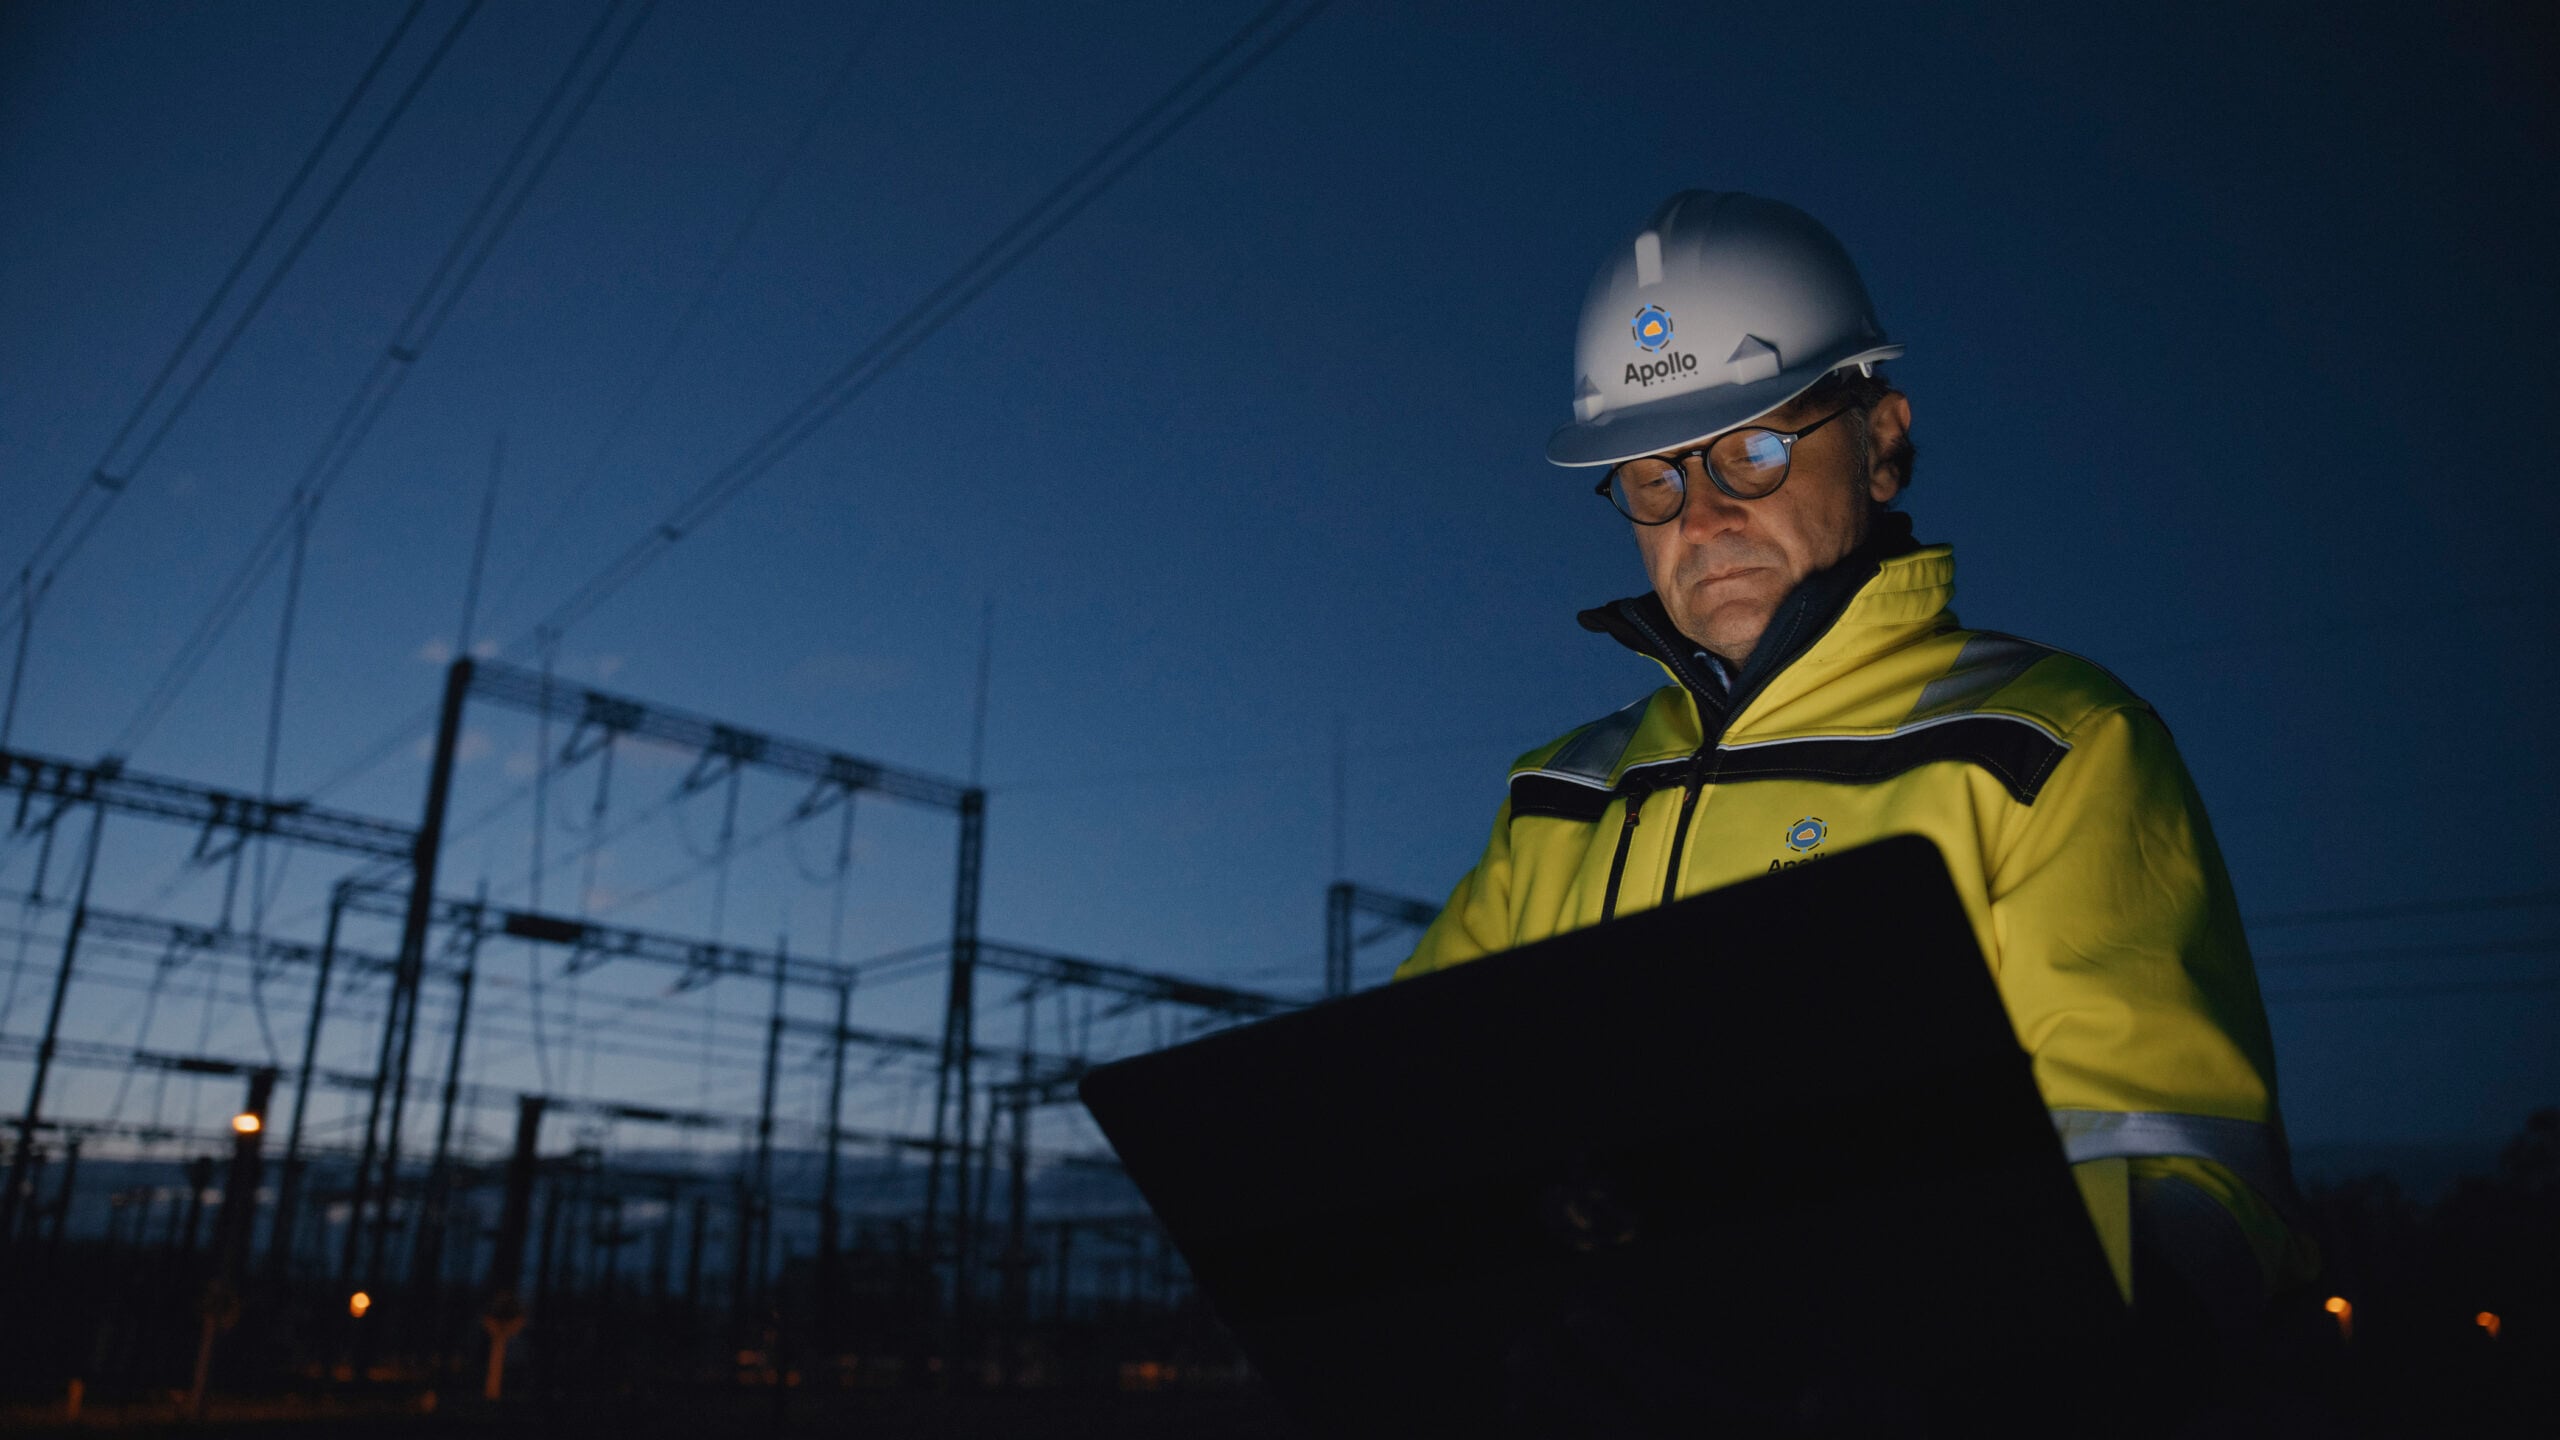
<point x="2228" y="349"/>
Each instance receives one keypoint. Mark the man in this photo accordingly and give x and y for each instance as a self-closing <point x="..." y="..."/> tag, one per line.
<point x="1822" y="694"/>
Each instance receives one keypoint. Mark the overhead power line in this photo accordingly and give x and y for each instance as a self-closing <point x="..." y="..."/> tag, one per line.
<point x="1198" y="88"/>
<point x="99" y="488"/>
<point x="97" y="492"/>
<point x="1194" y="92"/>
<point x="489" y="220"/>
<point x="541" y="550"/>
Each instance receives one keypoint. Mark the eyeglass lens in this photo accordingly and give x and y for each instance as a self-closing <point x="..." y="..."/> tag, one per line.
<point x="1750" y="463"/>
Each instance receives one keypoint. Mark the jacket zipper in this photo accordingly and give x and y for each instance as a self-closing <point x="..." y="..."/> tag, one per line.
<point x="1618" y="864"/>
<point x="1688" y="809"/>
<point x="1697" y="768"/>
<point x="1699" y="760"/>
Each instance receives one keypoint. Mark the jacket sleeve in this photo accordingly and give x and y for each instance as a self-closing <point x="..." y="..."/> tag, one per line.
<point x="2121" y="957"/>
<point x="1477" y="919"/>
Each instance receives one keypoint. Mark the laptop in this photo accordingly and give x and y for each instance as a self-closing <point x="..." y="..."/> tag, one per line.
<point x="1768" y="1160"/>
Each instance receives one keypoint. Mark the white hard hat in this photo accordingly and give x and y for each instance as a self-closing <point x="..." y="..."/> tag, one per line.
<point x="1723" y="308"/>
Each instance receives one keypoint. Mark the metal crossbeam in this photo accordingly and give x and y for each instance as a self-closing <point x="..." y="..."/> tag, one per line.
<point x="132" y="929"/>
<point x="591" y="938"/>
<point x="1042" y="1090"/>
<point x="388" y="901"/>
<point x="95" y="1055"/>
<point x="592" y="942"/>
<point x="109" y="784"/>
<point x="1402" y="909"/>
<point x="927" y="1045"/>
<point x="1145" y="985"/>
<point x="720" y="745"/>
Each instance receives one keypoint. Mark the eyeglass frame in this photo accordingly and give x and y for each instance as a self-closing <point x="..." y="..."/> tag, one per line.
<point x="1680" y="465"/>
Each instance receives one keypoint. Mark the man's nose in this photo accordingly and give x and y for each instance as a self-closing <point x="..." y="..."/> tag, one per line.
<point x="1708" y="511"/>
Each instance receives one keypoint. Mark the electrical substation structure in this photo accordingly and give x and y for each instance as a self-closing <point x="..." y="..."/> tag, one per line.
<point x="396" y="1241"/>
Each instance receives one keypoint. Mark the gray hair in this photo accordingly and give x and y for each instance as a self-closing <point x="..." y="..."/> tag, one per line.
<point x="1859" y="389"/>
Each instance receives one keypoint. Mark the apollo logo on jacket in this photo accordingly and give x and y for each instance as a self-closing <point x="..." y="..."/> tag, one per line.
<point x="1804" y="837"/>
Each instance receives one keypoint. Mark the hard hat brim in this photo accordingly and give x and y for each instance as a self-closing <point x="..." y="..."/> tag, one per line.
<point x="1684" y="420"/>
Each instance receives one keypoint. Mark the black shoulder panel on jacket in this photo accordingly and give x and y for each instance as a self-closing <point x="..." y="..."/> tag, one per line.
<point x="1536" y="794"/>
<point x="2019" y="754"/>
<point x="1540" y="792"/>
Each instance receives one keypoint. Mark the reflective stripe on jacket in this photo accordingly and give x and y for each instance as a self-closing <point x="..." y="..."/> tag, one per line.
<point x="2076" y="839"/>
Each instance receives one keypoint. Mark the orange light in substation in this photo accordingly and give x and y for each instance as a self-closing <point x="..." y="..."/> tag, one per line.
<point x="2339" y="1306"/>
<point x="247" y="1123"/>
<point x="2487" y="1320"/>
<point x="358" y="1303"/>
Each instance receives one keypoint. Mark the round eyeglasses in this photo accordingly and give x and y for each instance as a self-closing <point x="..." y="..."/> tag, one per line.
<point x="1747" y="464"/>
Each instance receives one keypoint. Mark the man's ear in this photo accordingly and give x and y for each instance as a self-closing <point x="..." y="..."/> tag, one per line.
<point x="1888" y="445"/>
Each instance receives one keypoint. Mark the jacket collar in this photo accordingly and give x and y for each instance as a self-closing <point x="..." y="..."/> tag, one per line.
<point x="1890" y="579"/>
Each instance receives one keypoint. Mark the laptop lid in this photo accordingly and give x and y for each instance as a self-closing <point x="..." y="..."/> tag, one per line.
<point x="1769" y="1159"/>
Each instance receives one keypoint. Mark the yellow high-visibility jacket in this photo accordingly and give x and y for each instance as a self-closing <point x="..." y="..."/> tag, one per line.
<point x="2076" y="839"/>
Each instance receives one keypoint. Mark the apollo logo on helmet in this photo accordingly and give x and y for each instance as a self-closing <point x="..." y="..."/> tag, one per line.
<point x="1670" y="367"/>
<point x="1652" y="327"/>
<point x="1652" y="330"/>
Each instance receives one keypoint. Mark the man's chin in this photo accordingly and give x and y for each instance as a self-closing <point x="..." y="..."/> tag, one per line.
<point x="1732" y="609"/>
<point x="1731" y="628"/>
